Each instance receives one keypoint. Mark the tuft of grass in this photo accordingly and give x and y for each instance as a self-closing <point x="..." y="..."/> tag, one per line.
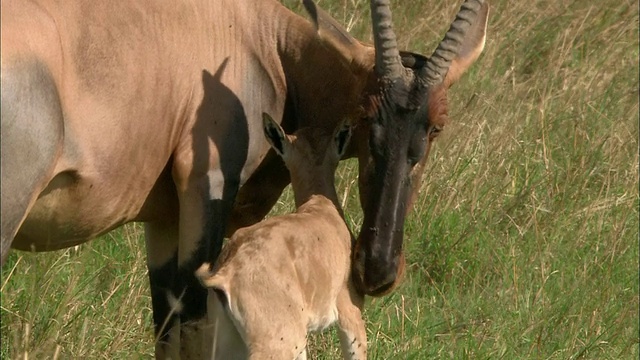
<point x="524" y="240"/>
<point x="91" y="301"/>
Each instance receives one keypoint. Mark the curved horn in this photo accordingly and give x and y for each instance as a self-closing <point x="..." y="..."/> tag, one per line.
<point x="388" y="64"/>
<point x="438" y="64"/>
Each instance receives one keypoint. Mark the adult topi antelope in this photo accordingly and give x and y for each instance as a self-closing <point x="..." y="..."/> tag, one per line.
<point x="289" y="274"/>
<point x="150" y="111"/>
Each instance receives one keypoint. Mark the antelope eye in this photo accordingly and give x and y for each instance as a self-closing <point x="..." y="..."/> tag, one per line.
<point x="376" y="140"/>
<point x="417" y="148"/>
<point x="434" y="131"/>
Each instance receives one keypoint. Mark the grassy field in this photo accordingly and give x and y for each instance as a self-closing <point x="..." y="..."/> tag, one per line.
<point x="522" y="245"/>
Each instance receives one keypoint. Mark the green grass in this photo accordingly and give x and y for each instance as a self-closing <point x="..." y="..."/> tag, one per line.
<point x="522" y="245"/>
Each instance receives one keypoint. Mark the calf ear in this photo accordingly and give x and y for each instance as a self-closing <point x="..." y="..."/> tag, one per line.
<point x="274" y="133"/>
<point x="342" y="136"/>
<point x="204" y="273"/>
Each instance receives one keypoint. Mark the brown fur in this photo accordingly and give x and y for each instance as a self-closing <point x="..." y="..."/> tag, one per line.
<point x="289" y="274"/>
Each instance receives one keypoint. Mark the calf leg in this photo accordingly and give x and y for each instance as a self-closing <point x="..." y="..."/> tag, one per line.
<point x="352" y="332"/>
<point x="32" y="134"/>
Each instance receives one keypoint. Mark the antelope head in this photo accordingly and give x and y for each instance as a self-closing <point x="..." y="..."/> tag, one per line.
<point x="408" y="109"/>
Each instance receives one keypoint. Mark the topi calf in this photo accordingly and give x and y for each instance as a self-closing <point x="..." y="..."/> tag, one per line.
<point x="279" y="279"/>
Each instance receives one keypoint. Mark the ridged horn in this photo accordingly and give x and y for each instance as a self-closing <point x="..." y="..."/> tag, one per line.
<point x="388" y="63"/>
<point x="438" y="64"/>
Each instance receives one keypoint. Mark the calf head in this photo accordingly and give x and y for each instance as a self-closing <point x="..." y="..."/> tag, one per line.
<point x="311" y="154"/>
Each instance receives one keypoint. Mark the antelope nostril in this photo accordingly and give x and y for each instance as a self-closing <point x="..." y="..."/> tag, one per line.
<point x="377" y="277"/>
<point x="382" y="290"/>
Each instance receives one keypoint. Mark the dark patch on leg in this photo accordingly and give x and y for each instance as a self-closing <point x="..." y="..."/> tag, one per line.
<point x="194" y="298"/>
<point x="161" y="281"/>
<point x="217" y="213"/>
<point x="194" y="295"/>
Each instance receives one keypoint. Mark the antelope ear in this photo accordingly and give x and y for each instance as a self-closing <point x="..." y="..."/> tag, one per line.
<point x="412" y="60"/>
<point x="274" y="134"/>
<point x="342" y="136"/>
<point x="471" y="47"/>
<point x="335" y="36"/>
